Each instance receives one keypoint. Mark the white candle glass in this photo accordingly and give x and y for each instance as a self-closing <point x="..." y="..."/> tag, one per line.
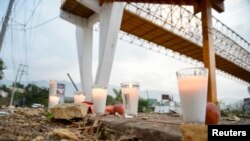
<point x="99" y="95"/>
<point x="53" y="97"/>
<point x="130" y="97"/>
<point x="52" y="87"/>
<point x="79" y="97"/>
<point x="192" y="83"/>
<point x="53" y="100"/>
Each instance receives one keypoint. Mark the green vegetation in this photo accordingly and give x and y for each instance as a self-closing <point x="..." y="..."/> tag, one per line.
<point x="35" y="94"/>
<point x="32" y="94"/>
<point x="49" y="115"/>
<point x="2" y="67"/>
<point x="118" y="96"/>
<point x="110" y="100"/>
<point x="117" y="100"/>
<point x="143" y="104"/>
<point x="232" y="110"/>
<point x="5" y="101"/>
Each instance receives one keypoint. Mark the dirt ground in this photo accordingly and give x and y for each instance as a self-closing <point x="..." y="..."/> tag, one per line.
<point x="35" y="124"/>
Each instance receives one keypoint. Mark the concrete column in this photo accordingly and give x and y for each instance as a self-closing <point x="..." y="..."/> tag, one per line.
<point x="84" y="39"/>
<point x="110" y="21"/>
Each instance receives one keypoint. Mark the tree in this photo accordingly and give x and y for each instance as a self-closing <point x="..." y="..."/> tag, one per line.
<point x="36" y="94"/>
<point x="143" y="104"/>
<point x="118" y="95"/>
<point x="110" y="100"/>
<point x="2" y="67"/>
<point x="5" y="101"/>
<point x="18" y="85"/>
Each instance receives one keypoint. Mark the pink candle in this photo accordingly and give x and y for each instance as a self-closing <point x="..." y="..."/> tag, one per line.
<point x="53" y="98"/>
<point x="52" y="87"/>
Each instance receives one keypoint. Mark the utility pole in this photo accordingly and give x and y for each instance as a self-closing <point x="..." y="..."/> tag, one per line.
<point x="147" y="94"/>
<point x="5" y="23"/>
<point x="22" y="69"/>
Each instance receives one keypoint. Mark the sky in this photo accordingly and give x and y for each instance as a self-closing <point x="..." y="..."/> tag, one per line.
<point x="50" y="50"/>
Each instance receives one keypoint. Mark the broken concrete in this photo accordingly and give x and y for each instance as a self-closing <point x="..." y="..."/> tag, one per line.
<point x="194" y="132"/>
<point x="63" y="134"/>
<point x="69" y="111"/>
<point x="133" y="129"/>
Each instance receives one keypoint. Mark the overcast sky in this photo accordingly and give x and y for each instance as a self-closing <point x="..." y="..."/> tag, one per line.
<point x="50" y="49"/>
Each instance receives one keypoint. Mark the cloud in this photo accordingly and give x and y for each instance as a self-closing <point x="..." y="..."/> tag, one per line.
<point x="236" y="16"/>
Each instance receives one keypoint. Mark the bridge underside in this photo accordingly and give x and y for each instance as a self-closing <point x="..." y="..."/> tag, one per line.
<point x="142" y="28"/>
<point x="216" y="4"/>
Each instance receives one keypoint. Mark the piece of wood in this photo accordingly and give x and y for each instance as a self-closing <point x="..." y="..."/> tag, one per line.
<point x="91" y="4"/>
<point x="218" y="5"/>
<point x="208" y="49"/>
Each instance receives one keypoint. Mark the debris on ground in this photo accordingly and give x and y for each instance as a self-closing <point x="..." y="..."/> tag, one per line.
<point x="38" y="124"/>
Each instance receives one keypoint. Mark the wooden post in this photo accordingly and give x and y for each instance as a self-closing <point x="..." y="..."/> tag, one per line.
<point x="208" y="49"/>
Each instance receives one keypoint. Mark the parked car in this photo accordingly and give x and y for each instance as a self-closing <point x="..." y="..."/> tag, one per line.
<point x="37" y="105"/>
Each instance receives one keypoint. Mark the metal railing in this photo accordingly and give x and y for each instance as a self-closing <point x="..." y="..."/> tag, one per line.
<point x="181" y="21"/>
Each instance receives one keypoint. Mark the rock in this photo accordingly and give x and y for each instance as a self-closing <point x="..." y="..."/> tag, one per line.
<point x="29" y="112"/>
<point x="236" y="118"/>
<point x="233" y="118"/>
<point x="117" y="114"/>
<point x="62" y="134"/>
<point x="69" y="111"/>
<point x="144" y="118"/>
<point x="3" y="106"/>
<point x="113" y="128"/>
<point x="194" y="132"/>
<point x="39" y="138"/>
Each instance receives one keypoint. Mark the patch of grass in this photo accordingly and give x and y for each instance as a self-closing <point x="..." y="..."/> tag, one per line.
<point x="49" y="115"/>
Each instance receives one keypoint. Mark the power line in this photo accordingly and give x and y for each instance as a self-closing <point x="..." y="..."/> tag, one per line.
<point x="41" y="24"/>
<point x="33" y="12"/>
<point x="50" y="20"/>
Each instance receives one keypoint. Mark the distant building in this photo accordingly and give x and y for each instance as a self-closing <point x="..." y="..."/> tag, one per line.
<point x="20" y="90"/>
<point x="165" y="106"/>
<point x="247" y="107"/>
<point x="3" y="94"/>
<point x="69" y="100"/>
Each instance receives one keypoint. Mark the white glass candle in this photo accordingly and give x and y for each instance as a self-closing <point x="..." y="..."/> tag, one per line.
<point x="52" y="87"/>
<point x="99" y="95"/>
<point x="130" y="97"/>
<point x="53" y="100"/>
<point x="79" y="97"/>
<point x="193" y="84"/>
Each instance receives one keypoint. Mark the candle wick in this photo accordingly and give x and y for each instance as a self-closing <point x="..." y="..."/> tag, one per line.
<point x="72" y="82"/>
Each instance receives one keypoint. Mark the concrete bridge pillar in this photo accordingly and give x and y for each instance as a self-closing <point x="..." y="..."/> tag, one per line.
<point x="110" y="23"/>
<point x="110" y="16"/>
<point x="84" y="39"/>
